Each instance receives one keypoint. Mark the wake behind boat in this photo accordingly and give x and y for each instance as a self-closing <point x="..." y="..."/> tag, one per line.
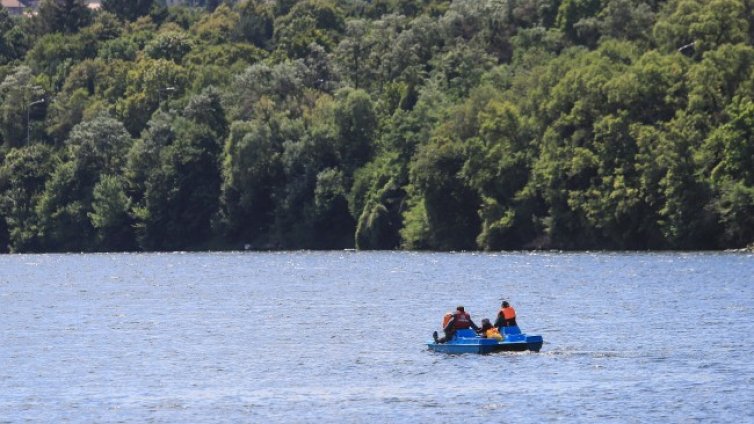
<point x="468" y="341"/>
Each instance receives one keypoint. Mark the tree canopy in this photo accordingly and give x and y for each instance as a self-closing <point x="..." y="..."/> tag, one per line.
<point x="330" y="124"/>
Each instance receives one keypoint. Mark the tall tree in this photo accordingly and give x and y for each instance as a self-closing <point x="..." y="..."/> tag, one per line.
<point x="23" y="175"/>
<point x="94" y="148"/>
<point x="450" y="205"/>
<point x="66" y="16"/>
<point x="182" y="193"/>
<point x="17" y="92"/>
<point x="128" y="10"/>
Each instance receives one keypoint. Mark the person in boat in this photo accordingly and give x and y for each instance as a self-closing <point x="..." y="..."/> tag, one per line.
<point x="446" y="329"/>
<point x="489" y="331"/>
<point x="460" y="319"/>
<point x="506" y="317"/>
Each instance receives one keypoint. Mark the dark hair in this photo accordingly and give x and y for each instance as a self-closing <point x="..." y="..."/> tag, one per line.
<point x="506" y="304"/>
<point x="459" y="308"/>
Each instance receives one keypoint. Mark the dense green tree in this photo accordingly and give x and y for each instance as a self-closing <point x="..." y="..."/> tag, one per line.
<point x="103" y="79"/>
<point x="572" y="159"/>
<point x="735" y="205"/>
<point x="119" y="48"/>
<point x="6" y="22"/>
<point x="17" y="91"/>
<point x="318" y="21"/>
<point x="462" y="67"/>
<point x="110" y="215"/>
<point x="319" y="71"/>
<point x="353" y="54"/>
<point x="169" y="45"/>
<point x="410" y="52"/>
<point x="728" y="158"/>
<point x="54" y="55"/>
<point x="651" y="89"/>
<point x="15" y="43"/>
<point x="206" y="108"/>
<point x="450" y="205"/>
<point x="93" y="148"/>
<point x="260" y="84"/>
<point x="356" y="124"/>
<point x="181" y="194"/>
<point x="379" y="67"/>
<point x="22" y="180"/>
<point x="382" y="188"/>
<point x="304" y="158"/>
<point x="729" y="152"/>
<point x="697" y="26"/>
<point x="255" y="22"/>
<point x="627" y="19"/>
<point x="376" y="199"/>
<point x="573" y="16"/>
<point x="128" y="10"/>
<point x="150" y="84"/>
<point x="252" y="169"/>
<point x="105" y="26"/>
<point x="219" y="27"/>
<point x="614" y="204"/>
<point x="66" y="16"/>
<point x="20" y="99"/>
<point x="332" y="222"/>
<point x="716" y="78"/>
<point x="282" y="7"/>
<point x="143" y="157"/>
<point x="487" y="25"/>
<point x="65" y="113"/>
<point x="225" y="58"/>
<point x="498" y="165"/>
<point x="686" y="217"/>
<point x="10" y="38"/>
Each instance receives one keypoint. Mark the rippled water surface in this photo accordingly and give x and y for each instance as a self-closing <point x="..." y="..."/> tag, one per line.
<point x="340" y="337"/>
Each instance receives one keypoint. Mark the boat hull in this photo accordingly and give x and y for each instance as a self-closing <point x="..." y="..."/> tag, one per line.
<point x="466" y="341"/>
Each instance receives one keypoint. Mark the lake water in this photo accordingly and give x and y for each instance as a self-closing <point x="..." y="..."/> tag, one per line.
<point x="340" y="337"/>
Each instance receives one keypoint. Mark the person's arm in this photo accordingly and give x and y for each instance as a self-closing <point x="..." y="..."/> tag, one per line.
<point x="500" y="320"/>
<point x="474" y="326"/>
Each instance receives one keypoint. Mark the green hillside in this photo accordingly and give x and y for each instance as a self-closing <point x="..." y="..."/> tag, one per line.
<point x="325" y="124"/>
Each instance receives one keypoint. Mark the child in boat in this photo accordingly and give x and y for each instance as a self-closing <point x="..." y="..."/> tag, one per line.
<point x="489" y="331"/>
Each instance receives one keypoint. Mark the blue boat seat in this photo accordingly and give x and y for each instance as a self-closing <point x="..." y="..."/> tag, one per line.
<point x="513" y="329"/>
<point x="512" y="334"/>
<point x="465" y="332"/>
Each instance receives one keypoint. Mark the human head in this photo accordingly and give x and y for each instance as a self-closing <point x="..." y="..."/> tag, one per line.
<point x="459" y="308"/>
<point x="506" y="304"/>
<point x="486" y="321"/>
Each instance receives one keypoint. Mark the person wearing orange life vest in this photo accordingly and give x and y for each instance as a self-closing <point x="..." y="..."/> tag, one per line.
<point x="448" y="332"/>
<point x="446" y="319"/>
<point x="460" y="319"/>
<point x="506" y="317"/>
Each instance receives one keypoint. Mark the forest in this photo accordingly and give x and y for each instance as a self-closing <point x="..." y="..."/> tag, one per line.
<point x="386" y="124"/>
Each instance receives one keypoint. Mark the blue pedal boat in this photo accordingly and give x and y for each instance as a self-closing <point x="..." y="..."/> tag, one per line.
<point x="468" y="341"/>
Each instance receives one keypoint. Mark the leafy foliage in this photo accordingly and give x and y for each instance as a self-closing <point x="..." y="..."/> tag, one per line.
<point x="65" y="16"/>
<point x="472" y="124"/>
<point x="128" y="10"/>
